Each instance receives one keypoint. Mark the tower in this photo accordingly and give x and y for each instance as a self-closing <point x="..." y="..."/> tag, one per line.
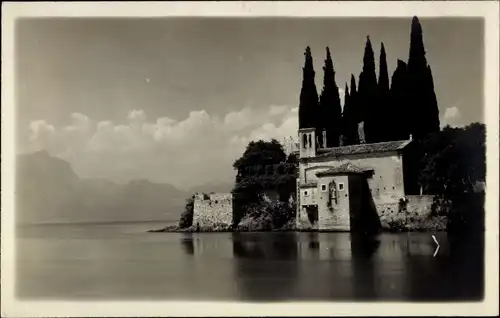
<point x="308" y="143"/>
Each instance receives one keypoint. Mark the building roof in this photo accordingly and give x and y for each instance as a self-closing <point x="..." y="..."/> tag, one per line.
<point x="308" y="185"/>
<point x="347" y="168"/>
<point x="364" y="148"/>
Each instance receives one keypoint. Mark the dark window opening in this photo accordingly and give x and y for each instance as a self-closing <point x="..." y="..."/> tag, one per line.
<point x="305" y="141"/>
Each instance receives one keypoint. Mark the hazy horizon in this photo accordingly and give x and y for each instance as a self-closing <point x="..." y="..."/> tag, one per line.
<point x="176" y="100"/>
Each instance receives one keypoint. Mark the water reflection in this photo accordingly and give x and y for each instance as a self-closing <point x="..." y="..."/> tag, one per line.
<point x="276" y="277"/>
<point x="75" y="262"/>
<point x="313" y="241"/>
<point x="187" y="243"/>
<point x="363" y="248"/>
<point x="345" y="266"/>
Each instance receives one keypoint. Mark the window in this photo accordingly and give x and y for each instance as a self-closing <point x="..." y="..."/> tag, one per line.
<point x="306" y="193"/>
<point x="341" y="186"/>
<point x="323" y="187"/>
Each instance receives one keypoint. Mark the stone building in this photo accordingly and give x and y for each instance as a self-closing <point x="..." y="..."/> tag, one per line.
<point x="353" y="187"/>
<point x="213" y="209"/>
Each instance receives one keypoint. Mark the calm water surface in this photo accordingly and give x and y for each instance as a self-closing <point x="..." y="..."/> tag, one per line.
<point x="122" y="261"/>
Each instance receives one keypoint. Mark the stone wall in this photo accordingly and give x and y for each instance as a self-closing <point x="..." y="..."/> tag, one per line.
<point x="386" y="180"/>
<point x="213" y="209"/>
<point x="417" y="212"/>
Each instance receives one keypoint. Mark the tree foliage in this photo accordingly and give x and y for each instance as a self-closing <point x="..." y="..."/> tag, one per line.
<point x="398" y="102"/>
<point x="330" y="108"/>
<point x="384" y="115"/>
<point x="421" y="97"/>
<point x="390" y="110"/>
<point x="187" y="216"/>
<point x="453" y="160"/>
<point x="308" y="107"/>
<point x="367" y="95"/>
<point x="263" y="166"/>
<point x="350" y="115"/>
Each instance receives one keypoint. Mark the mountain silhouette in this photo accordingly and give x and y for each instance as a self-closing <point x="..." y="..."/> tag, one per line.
<point x="49" y="191"/>
<point x="225" y="187"/>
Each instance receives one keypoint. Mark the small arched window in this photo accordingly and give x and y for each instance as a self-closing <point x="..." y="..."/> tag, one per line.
<point x="304" y="143"/>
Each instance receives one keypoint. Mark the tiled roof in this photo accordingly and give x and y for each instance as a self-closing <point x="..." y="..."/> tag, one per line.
<point x="343" y="169"/>
<point x="308" y="185"/>
<point x="363" y="148"/>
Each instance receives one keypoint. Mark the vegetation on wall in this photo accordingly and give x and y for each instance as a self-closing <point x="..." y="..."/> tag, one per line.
<point x="263" y="166"/>
<point x="187" y="216"/>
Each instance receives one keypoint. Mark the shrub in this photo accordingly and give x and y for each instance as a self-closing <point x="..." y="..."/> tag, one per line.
<point x="187" y="216"/>
<point x="397" y="226"/>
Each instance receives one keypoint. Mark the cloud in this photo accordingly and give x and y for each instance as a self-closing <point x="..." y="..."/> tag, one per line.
<point x="451" y="117"/>
<point x="137" y="115"/>
<point x="195" y="150"/>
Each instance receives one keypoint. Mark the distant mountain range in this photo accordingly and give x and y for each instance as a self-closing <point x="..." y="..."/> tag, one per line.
<point x="49" y="191"/>
<point x="212" y="187"/>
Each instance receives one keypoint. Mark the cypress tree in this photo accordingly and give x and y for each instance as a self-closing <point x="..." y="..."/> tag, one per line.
<point x="330" y="108"/>
<point x="308" y="107"/>
<point x="383" y="78"/>
<point x="433" y="119"/>
<point x="384" y="111"/>
<point x="398" y="102"/>
<point x="424" y="110"/>
<point x="367" y="94"/>
<point x="350" y="115"/>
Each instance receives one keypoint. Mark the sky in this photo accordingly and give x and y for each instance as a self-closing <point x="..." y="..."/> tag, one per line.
<point x="176" y="100"/>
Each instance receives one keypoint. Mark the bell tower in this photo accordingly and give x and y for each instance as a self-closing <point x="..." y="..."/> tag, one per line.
<point x="307" y="141"/>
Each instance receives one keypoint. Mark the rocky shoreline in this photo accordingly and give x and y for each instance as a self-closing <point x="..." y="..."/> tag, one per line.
<point x="219" y="229"/>
<point x="177" y="229"/>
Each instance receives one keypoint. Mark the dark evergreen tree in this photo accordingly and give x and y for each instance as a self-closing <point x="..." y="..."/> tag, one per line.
<point x="383" y="77"/>
<point x="423" y="108"/>
<point x="384" y="113"/>
<point x="350" y="115"/>
<point x="398" y="103"/>
<point x="330" y="108"/>
<point x="367" y="95"/>
<point x="308" y="107"/>
<point x="433" y="119"/>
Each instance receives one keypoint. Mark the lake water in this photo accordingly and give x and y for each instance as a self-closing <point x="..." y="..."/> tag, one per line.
<point x="123" y="261"/>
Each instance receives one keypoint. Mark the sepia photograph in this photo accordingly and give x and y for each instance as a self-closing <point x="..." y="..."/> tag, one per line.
<point x="237" y="157"/>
